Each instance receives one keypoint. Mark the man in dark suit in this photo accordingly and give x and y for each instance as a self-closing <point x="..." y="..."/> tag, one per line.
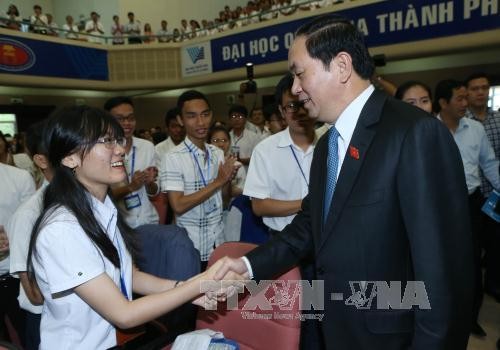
<point x="387" y="202"/>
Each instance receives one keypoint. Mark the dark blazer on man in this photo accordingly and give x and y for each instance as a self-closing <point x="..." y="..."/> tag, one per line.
<point x="399" y="213"/>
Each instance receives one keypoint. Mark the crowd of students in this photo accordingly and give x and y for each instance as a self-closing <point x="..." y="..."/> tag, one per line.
<point x="98" y="180"/>
<point x="134" y="32"/>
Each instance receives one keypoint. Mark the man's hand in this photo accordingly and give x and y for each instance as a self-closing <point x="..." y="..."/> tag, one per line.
<point x="151" y="173"/>
<point x="227" y="171"/>
<point x="138" y="180"/>
<point x="229" y="267"/>
<point x="4" y="243"/>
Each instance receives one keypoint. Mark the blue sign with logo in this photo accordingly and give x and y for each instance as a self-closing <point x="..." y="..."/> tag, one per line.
<point x="382" y="23"/>
<point x="43" y="58"/>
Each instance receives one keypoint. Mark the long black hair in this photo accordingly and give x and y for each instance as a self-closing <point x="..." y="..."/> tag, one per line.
<point x="76" y="130"/>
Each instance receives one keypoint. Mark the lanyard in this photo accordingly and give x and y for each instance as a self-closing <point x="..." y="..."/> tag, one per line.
<point x="297" y="161"/>
<point x="123" y="286"/>
<point x="198" y="164"/>
<point x="237" y="139"/>
<point x="131" y="174"/>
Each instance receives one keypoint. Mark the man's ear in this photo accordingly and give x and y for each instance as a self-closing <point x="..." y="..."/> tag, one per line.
<point x="41" y="161"/>
<point x="72" y="161"/>
<point x="179" y="120"/>
<point x="343" y="65"/>
<point x="443" y="103"/>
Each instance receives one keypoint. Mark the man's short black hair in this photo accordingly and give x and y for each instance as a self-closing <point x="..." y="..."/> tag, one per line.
<point x="328" y="35"/>
<point x="130" y="14"/>
<point x="37" y="7"/>
<point x="190" y="95"/>
<point x="269" y="110"/>
<point x="444" y="90"/>
<point x="35" y="140"/>
<point x="477" y="75"/>
<point x="284" y="85"/>
<point x="240" y="109"/>
<point x="172" y="114"/>
<point x="116" y="101"/>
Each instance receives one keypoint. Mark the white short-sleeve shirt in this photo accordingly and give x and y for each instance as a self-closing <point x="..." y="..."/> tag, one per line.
<point x="278" y="170"/>
<point x="65" y="258"/>
<point x="179" y="172"/>
<point x="163" y="148"/>
<point x="141" y="156"/>
<point x="16" y="186"/>
<point x="19" y="230"/>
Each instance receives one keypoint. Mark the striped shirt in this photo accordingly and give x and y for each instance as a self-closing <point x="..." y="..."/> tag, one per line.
<point x="492" y="127"/>
<point x="186" y="169"/>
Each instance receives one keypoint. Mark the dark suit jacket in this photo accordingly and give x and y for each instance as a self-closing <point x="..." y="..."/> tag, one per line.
<point x="399" y="213"/>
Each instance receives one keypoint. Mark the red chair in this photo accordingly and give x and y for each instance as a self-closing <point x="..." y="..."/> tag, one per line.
<point x="253" y="329"/>
<point x="160" y="202"/>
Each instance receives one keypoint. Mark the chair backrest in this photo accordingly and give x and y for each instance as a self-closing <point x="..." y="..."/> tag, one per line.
<point x="252" y="228"/>
<point x="160" y="202"/>
<point x="256" y="329"/>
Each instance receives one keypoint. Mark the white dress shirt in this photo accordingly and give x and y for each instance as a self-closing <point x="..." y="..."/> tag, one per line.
<point x="16" y="186"/>
<point x="66" y="258"/>
<point x="279" y="170"/>
<point x="345" y="125"/>
<point x="141" y="156"/>
<point x="19" y="230"/>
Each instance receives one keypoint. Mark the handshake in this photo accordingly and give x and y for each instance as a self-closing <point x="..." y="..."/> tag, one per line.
<point x="220" y="281"/>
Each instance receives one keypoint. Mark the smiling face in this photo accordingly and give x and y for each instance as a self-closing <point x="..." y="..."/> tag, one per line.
<point x="124" y="114"/>
<point x="295" y="116"/>
<point x="315" y="86"/>
<point x="100" y="167"/>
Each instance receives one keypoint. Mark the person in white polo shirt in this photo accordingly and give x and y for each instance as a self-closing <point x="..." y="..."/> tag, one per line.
<point x="243" y="141"/>
<point x="140" y="163"/>
<point x="16" y="186"/>
<point x="278" y="175"/>
<point x="19" y="230"/>
<point x="175" y="132"/>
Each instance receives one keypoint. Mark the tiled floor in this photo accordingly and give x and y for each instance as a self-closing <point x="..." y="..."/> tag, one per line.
<point x="489" y="319"/>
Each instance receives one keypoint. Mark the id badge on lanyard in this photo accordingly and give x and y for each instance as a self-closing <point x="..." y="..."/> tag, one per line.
<point x="132" y="200"/>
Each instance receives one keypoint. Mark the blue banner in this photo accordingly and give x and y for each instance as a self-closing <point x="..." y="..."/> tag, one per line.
<point x="382" y="23"/>
<point x="43" y="58"/>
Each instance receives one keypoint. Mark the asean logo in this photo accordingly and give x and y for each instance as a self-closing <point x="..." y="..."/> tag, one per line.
<point x="15" y="56"/>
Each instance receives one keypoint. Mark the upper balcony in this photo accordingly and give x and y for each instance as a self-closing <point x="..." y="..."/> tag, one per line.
<point x="398" y="29"/>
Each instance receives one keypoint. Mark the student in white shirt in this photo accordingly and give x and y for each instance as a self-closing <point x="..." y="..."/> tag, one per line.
<point x="140" y="163"/>
<point x="81" y="250"/>
<point x="278" y="175"/>
<point x="70" y="30"/>
<point x="19" y="230"/>
<point x="175" y="132"/>
<point x="16" y="186"/>
<point x="219" y="136"/>
<point x="95" y="28"/>
<point x="38" y="20"/>
<point x="243" y="140"/>
<point x="257" y="119"/>
<point x="193" y="174"/>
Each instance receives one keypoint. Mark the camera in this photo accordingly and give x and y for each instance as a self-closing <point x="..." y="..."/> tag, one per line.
<point x="250" y="86"/>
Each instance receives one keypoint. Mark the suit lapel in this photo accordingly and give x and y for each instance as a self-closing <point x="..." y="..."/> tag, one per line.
<point x="360" y="143"/>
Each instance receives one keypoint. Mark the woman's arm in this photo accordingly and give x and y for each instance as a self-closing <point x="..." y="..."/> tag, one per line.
<point x="102" y="294"/>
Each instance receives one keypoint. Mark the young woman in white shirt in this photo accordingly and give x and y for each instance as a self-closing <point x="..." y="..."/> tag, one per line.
<point x="81" y="251"/>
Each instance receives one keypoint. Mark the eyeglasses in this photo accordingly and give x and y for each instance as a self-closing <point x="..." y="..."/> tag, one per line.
<point x="293" y="107"/>
<point x="237" y="116"/>
<point x="219" y="140"/>
<point x="111" y="142"/>
<point x="129" y="118"/>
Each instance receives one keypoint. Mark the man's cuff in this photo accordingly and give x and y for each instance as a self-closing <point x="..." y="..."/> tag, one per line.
<point x="249" y="267"/>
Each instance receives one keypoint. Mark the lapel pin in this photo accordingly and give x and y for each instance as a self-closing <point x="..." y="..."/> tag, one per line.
<point x="354" y="152"/>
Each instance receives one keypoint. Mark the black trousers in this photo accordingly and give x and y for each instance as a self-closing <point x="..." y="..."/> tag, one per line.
<point x="9" y="306"/>
<point x="475" y="202"/>
<point x="490" y="242"/>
